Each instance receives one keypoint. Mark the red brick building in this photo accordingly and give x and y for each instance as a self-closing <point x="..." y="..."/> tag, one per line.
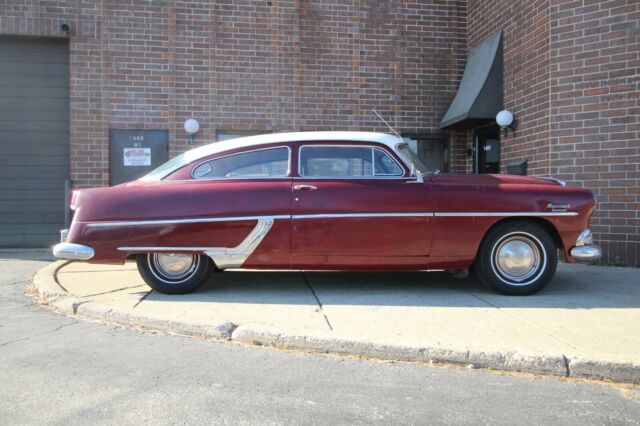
<point x="570" y="72"/>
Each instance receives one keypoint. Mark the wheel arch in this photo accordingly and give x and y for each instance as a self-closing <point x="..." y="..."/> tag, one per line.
<point x="542" y="222"/>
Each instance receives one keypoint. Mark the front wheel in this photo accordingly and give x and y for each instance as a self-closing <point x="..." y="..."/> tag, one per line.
<point x="173" y="273"/>
<point x="517" y="258"/>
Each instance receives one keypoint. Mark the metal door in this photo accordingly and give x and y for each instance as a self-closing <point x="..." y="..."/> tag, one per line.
<point x="34" y="139"/>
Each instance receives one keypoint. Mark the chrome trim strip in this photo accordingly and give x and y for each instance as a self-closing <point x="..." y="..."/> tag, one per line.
<point x="72" y="251"/>
<point x="493" y="214"/>
<point x="179" y="221"/>
<point x="558" y="181"/>
<point x="223" y="257"/>
<point x="351" y="215"/>
<point x="316" y="216"/>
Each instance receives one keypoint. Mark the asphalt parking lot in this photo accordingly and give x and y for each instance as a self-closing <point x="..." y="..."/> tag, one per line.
<point x="58" y="369"/>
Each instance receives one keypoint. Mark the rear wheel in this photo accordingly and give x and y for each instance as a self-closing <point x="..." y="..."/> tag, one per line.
<point x="173" y="273"/>
<point x="517" y="258"/>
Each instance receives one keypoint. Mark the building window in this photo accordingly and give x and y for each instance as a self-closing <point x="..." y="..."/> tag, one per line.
<point x="433" y="151"/>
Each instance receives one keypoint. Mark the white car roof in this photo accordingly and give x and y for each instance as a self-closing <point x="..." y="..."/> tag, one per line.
<point x="269" y="138"/>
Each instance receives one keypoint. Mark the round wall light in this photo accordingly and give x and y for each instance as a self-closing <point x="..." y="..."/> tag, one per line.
<point x="506" y="121"/>
<point x="191" y="126"/>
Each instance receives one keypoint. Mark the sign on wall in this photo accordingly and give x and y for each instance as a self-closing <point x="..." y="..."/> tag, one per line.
<point x="134" y="153"/>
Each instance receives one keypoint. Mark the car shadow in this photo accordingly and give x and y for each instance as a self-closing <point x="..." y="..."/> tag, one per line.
<point x="573" y="287"/>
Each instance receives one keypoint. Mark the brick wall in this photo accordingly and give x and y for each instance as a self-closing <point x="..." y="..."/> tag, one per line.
<point x="259" y="65"/>
<point x="571" y="76"/>
<point x="525" y="25"/>
<point x="595" y="114"/>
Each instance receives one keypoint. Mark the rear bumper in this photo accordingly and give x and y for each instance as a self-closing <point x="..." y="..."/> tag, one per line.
<point x="589" y="253"/>
<point x="70" y="251"/>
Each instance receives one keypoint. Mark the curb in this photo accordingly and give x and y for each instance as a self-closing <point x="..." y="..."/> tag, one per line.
<point x="51" y="293"/>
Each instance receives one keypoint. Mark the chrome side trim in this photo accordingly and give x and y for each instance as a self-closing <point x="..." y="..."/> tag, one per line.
<point x="315" y="216"/>
<point x="178" y="221"/>
<point x="348" y="215"/>
<point x="492" y="214"/>
<point x="223" y="257"/>
<point x="72" y="251"/>
<point x="234" y="257"/>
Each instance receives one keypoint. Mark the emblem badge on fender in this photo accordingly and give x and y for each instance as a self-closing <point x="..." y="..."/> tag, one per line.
<point x="558" y="207"/>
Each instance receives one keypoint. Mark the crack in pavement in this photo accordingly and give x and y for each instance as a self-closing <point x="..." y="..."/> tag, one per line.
<point x="306" y="279"/>
<point x="38" y="334"/>
<point x="566" y="365"/>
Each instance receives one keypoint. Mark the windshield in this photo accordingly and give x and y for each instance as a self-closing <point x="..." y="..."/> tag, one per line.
<point x="166" y="169"/>
<point x="411" y="157"/>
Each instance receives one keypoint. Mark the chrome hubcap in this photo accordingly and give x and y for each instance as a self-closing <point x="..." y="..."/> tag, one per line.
<point x="174" y="266"/>
<point x="517" y="258"/>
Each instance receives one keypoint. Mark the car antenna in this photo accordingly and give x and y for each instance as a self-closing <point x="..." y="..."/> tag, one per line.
<point x="385" y="122"/>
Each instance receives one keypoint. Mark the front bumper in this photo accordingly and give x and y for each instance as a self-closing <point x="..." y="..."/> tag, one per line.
<point x="70" y="251"/>
<point x="589" y="253"/>
<point x="585" y="250"/>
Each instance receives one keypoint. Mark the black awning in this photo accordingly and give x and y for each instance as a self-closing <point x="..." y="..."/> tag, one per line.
<point x="479" y="96"/>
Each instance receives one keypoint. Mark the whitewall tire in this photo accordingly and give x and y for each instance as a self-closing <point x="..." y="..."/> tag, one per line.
<point x="517" y="258"/>
<point x="173" y="273"/>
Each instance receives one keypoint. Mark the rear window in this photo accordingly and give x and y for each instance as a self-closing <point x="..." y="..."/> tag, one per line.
<point x="266" y="163"/>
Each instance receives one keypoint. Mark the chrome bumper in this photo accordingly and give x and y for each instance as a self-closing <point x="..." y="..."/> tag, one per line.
<point x="70" y="251"/>
<point x="585" y="250"/>
<point x="589" y="253"/>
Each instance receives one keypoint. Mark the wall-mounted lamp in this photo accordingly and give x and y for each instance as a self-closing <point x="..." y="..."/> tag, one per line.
<point x="506" y="121"/>
<point x="191" y="126"/>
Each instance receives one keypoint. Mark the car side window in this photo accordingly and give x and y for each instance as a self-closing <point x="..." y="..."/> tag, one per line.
<point x="384" y="164"/>
<point x="265" y="163"/>
<point x="346" y="162"/>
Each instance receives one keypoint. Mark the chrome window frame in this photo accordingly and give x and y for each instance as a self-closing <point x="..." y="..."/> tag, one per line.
<point x="286" y="176"/>
<point x="402" y="176"/>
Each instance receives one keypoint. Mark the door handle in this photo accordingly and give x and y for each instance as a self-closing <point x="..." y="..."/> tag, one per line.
<point x="304" y="187"/>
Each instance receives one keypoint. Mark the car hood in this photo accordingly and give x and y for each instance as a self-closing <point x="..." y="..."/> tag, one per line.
<point x="492" y="180"/>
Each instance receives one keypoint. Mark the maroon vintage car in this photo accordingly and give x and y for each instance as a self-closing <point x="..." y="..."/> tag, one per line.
<point x="328" y="200"/>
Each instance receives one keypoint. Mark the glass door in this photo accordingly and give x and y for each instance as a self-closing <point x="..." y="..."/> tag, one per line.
<point x="487" y="150"/>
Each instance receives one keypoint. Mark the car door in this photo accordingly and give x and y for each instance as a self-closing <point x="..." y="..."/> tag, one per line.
<point x="353" y="205"/>
<point x="253" y="190"/>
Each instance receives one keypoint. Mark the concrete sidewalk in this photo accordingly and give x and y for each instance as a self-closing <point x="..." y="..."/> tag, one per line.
<point x="585" y="324"/>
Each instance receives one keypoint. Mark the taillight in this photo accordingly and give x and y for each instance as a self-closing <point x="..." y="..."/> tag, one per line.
<point x="73" y="199"/>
